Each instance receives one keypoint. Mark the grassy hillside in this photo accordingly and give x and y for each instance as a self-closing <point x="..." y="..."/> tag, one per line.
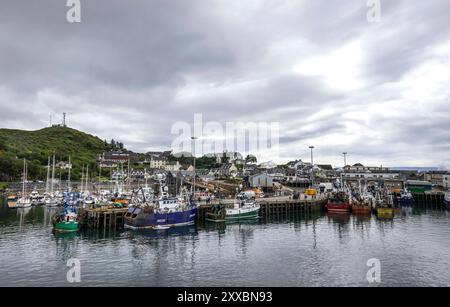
<point x="36" y="146"/>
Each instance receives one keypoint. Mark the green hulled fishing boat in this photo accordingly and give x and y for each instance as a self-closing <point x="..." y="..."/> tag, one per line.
<point x="67" y="221"/>
<point x="245" y="207"/>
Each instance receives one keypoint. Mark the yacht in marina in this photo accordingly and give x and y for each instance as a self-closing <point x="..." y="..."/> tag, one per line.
<point x="24" y="201"/>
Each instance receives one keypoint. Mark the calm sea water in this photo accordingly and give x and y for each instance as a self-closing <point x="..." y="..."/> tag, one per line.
<point x="312" y="250"/>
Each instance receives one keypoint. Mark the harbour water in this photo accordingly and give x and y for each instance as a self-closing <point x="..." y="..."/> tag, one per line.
<point x="313" y="250"/>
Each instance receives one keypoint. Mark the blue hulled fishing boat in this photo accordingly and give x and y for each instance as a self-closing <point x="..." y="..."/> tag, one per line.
<point x="161" y="213"/>
<point x="447" y="199"/>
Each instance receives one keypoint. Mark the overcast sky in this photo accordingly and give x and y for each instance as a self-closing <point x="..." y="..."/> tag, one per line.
<point x="131" y="69"/>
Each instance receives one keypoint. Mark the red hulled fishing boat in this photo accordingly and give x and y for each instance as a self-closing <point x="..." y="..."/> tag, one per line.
<point x="338" y="202"/>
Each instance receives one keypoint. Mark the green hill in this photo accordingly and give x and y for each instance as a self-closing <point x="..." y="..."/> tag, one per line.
<point x="37" y="146"/>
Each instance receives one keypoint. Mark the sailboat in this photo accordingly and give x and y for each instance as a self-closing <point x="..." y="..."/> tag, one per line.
<point x="24" y="201"/>
<point x="35" y="197"/>
<point x="51" y="200"/>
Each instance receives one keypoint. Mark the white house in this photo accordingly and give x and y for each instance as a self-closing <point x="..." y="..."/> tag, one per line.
<point x="261" y="181"/>
<point x="159" y="163"/>
<point x="173" y="166"/>
<point x="64" y="165"/>
<point x="370" y="175"/>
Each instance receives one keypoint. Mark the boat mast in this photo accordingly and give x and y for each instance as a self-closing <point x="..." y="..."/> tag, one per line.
<point x="128" y="177"/>
<point x="48" y="175"/>
<point x="23" y="179"/>
<point x="53" y="174"/>
<point x="82" y="179"/>
<point x="87" y="178"/>
<point x="68" y="177"/>
<point x="121" y="178"/>
<point x="145" y="175"/>
<point x="99" y="175"/>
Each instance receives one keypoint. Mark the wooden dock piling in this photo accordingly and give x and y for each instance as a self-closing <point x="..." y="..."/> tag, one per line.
<point x="96" y="218"/>
<point x="271" y="207"/>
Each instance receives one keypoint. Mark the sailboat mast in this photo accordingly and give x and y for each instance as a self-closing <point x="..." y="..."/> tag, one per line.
<point x="48" y="175"/>
<point x="53" y="174"/>
<point x="82" y="179"/>
<point x="26" y="176"/>
<point x="87" y="177"/>
<point x="23" y="179"/>
<point x="99" y="175"/>
<point x="68" y="177"/>
<point x="128" y="177"/>
<point x="145" y="175"/>
<point x="122" y="176"/>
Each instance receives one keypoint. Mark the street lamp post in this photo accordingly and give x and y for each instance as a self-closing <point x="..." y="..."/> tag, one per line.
<point x="193" y="138"/>
<point x="345" y="158"/>
<point x="312" y="165"/>
<point x="312" y="161"/>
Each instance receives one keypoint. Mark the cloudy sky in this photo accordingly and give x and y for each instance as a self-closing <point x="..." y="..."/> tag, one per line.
<point x="132" y="69"/>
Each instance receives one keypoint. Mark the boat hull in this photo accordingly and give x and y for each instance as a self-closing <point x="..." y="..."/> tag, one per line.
<point x="402" y="201"/>
<point x="66" y="226"/>
<point x="12" y="198"/>
<point x="23" y="205"/>
<point x="338" y="208"/>
<point x="137" y="219"/>
<point x="12" y="205"/>
<point x="242" y="214"/>
<point x="385" y="212"/>
<point x="360" y="209"/>
<point x="447" y="203"/>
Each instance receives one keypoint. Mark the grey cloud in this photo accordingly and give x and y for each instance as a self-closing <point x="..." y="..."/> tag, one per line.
<point x="128" y="63"/>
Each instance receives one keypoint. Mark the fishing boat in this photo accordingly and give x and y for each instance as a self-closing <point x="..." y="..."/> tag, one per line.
<point x="362" y="207"/>
<point x="245" y="207"/>
<point x="385" y="212"/>
<point x="362" y="201"/>
<point x="161" y="213"/>
<point x="216" y="214"/>
<point x="447" y="199"/>
<point x="403" y="198"/>
<point x="66" y="221"/>
<point x="384" y="207"/>
<point x="339" y="202"/>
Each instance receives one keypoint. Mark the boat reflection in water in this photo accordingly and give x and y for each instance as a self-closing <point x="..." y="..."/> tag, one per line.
<point x="65" y="235"/>
<point x="363" y="216"/>
<point x="188" y="230"/>
<point x="384" y="214"/>
<point x="339" y="217"/>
